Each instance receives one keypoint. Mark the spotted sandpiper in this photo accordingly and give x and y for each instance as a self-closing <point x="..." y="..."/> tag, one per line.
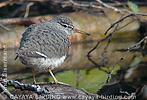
<point x="45" y="46"/>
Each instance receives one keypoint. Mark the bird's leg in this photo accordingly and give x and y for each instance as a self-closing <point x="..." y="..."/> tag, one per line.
<point x="33" y="71"/>
<point x="35" y="82"/>
<point x="55" y="80"/>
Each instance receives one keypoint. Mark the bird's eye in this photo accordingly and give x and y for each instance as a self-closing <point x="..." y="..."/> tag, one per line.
<point x="65" y="25"/>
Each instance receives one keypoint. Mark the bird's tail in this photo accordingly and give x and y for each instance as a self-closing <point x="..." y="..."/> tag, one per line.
<point x="16" y="57"/>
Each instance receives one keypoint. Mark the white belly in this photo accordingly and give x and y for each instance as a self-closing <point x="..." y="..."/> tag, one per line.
<point x="51" y="63"/>
<point x="42" y="63"/>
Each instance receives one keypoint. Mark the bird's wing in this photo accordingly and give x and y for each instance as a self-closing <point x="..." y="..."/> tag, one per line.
<point x="44" y="42"/>
<point x="36" y="54"/>
<point x="25" y="37"/>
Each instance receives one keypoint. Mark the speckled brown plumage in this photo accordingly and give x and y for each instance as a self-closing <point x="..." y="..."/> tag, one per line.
<point x="50" y="40"/>
<point x="45" y="46"/>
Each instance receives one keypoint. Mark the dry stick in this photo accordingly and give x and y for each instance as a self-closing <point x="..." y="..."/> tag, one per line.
<point x="110" y="38"/>
<point x="28" y="9"/>
<point x="19" y="10"/>
<point x="86" y="5"/>
<point x="124" y="55"/>
<point x="105" y="48"/>
<point x="110" y="35"/>
<point x="100" y="7"/>
<point x="113" y="8"/>
<point x="98" y="65"/>
<point x="140" y="90"/>
<point x="11" y="97"/>
<point x="125" y="25"/>
<point x="109" y="75"/>
<point x="141" y="14"/>
<point x="4" y="3"/>
<point x="6" y="28"/>
<point x="118" y="22"/>
<point x="88" y="55"/>
<point x="1" y="97"/>
<point x="31" y="87"/>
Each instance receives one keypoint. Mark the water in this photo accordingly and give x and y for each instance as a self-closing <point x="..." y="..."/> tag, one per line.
<point x="128" y="77"/>
<point x="81" y="72"/>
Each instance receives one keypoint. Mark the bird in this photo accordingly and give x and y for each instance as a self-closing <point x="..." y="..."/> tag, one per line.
<point x="45" y="46"/>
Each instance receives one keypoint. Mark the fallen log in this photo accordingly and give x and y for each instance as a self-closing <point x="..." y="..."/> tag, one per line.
<point x="42" y="91"/>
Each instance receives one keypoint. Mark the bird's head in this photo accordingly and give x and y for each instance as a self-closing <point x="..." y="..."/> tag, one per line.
<point x="67" y="24"/>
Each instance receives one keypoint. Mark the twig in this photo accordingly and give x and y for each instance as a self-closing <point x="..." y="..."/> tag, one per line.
<point x="124" y="55"/>
<point x="98" y="65"/>
<point x="1" y="97"/>
<point x="4" y="3"/>
<point x="105" y="48"/>
<point x="88" y="54"/>
<point x="113" y="8"/>
<point x="123" y="19"/>
<point x="141" y="14"/>
<point x="125" y="25"/>
<point x="86" y="5"/>
<point x="31" y="87"/>
<point x="6" y="92"/>
<point x="100" y="7"/>
<point x="6" y="28"/>
<point x="24" y="21"/>
<point x="19" y="11"/>
<point x="28" y="9"/>
<point x="140" y="90"/>
<point x="109" y="36"/>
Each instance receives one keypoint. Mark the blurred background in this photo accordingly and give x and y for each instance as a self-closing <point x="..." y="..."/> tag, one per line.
<point x="95" y="17"/>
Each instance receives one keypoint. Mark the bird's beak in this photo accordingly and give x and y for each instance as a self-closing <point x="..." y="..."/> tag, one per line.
<point x="81" y="32"/>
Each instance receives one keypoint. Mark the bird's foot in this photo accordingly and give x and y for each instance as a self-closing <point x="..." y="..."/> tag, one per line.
<point x="60" y="83"/>
<point x="40" y="83"/>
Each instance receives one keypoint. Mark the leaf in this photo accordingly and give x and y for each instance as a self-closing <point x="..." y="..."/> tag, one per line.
<point x="133" y="7"/>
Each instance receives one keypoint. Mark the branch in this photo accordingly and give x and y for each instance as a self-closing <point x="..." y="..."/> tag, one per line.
<point x="86" y="5"/>
<point x="102" y="40"/>
<point x="31" y="87"/>
<point x="105" y="48"/>
<point x="6" y="28"/>
<point x="21" y="21"/>
<point x="113" y="8"/>
<point x="4" y="89"/>
<point x="1" y="97"/>
<point x="110" y="37"/>
<point x="4" y="3"/>
<point x="140" y="14"/>
<point x="124" y="55"/>
<point x="88" y="54"/>
<point x="100" y="7"/>
<point x="28" y="9"/>
<point x="50" y="91"/>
